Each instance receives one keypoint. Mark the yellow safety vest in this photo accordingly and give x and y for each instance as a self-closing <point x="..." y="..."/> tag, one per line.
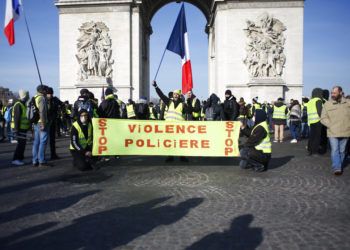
<point x="24" y="122"/>
<point x="195" y="114"/>
<point x="312" y="115"/>
<point x="265" y="144"/>
<point x="151" y="115"/>
<point x="174" y="114"/>
<point x="36" y="98"/>
<point x="68" y="112"/>
<point x="84" y="142"/>
<point x="257" y="106"/>
<point x="130" y="111"/>
<point x="279" y="112"/>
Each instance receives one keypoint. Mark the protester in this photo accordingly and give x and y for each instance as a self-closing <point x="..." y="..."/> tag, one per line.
<point x="213" y="110"/>
<point x="83" y="102"/>
<point x="304" y="125"/>
<point x="130" y="109"/>
<point x="256" y="151"/>
<point x="256" y="105"/>
<point x="314" y="110"/>
<point x="243" y="111"/>
<point x="194" y="107"/>
<point x="279" y="116"/>
<point x="7" y="117"/>
<point x="336" y="117"/>
<point x="41" y="128"/>
<point x="2" y="122"/>
<point x="295" y="120"/>
<point x="152" y="111"/>
<point x="20" y="125"/>
<point x="109" y="107"/>
<point x="231" y="107"/>
<point x="142" y="109"/>
<point x="54" y="105"/>
<point x="81" y="140"/>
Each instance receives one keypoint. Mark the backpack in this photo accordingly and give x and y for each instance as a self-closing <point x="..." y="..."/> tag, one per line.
<point x="33" y="112"/>
<point x="87" y="106"/>
<point x="8" y="114"/>
<point x="209" y="114"/>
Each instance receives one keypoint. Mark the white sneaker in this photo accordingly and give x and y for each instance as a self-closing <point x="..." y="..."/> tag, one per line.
<point x="294" y="141"/>
<point x="14" y="141"/>
<point x="18" y="163"/>
<point x="275" y="140"/>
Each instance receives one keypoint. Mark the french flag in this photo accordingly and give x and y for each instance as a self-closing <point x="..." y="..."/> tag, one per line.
<point x="178" y="43"/>
<point x="11" y="15"/>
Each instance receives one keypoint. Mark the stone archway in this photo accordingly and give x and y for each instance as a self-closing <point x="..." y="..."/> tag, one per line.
<point x="255" y="47"/>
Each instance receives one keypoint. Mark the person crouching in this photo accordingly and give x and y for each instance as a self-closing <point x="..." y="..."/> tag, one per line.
<point x="81" y="141"/>
<point x="256" y="152"/>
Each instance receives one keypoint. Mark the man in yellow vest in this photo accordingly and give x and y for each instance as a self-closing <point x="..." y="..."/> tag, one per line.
<point x="256" y="152"/>
<point x="194" y="107"/>
<point x="177" y="110"/>
<point x="20" y="125"/>
<point x="2" y="121"/>
<point x="81" y="138"/>
<point x="256" y="105"/>
<point x="314" y="111"/>
<point x="279" y="119"/>
<point x="130" y="109"/>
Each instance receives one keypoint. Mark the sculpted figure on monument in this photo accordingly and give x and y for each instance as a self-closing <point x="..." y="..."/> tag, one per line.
<point x="265" y="45"/>
<point x="94" y="51"/>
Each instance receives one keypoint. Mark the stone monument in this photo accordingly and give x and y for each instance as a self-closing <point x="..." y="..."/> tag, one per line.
<point x="255" y="47"/>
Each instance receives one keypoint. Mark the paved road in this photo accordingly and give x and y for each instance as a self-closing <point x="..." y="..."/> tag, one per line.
<point x="142" y="203"/>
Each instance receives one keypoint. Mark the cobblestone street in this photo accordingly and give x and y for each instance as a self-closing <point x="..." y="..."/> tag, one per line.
<point x="143" y="203"/>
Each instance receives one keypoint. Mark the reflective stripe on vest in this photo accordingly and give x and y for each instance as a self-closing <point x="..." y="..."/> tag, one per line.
<point x="130" y="111"/>
<point x="265" y="144"/>
<point x="312" y="115"/>
<point x="151" y="115"/>
<point x="279" y="112"/>
<point x="257" y="106"/>
<point x="174" y="114"/>
<point x="195" y="114"/>
<point x="24" y="122"/>
<point x="81" y="137"/>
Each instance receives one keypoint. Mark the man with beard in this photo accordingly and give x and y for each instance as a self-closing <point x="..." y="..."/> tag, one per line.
<point x="336" y="117"/>
<point x="231" y="108"/>
<point x="176" y="111"/>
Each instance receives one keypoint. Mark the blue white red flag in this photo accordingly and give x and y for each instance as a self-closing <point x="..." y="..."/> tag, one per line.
<point x="178" y="43"/>
<point x="11" y="15"/>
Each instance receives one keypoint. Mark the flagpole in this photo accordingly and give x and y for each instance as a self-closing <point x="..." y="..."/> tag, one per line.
<point x="161" y="60"/>
<point x="31" y="43"/>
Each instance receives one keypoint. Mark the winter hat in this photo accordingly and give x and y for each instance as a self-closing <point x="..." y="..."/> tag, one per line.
<point x="22" y="94"/>
<point x="108" y="91"/>
<point x="228" y="92"/>
<point x="177" y="91"/>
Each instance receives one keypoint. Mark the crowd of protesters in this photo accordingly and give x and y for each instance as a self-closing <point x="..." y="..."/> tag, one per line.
<point x="324" y="121"/>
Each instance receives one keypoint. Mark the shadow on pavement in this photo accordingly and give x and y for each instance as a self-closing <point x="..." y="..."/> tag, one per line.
<point x="45" y="206"/>
<point x="239" y="236"/>
<point x="280" y="162"/>
<point x="112" y="228"/>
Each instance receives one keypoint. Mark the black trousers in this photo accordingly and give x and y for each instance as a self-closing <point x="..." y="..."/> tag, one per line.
<point x="314" y="138"/>
<point x="52" y="139"/>
<point x="80" y="161"/>
<point x="254" y="158"/>
<point x="21" y="145"/>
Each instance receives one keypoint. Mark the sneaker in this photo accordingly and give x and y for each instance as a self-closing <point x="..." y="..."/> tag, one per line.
<point x="337" y="172"/>
<point x="275" y="141"/>
<point x="35" y="164"/>
<point x="294" y="141"/>
<point x="17" y="163"/>
<point x="14" y="141"/>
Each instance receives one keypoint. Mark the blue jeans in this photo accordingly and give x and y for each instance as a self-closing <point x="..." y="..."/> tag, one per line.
<point x="294" y="129"/>
<point x="305" y="130"/>
<point x="9" y="131"/>
<point x="338" y="146"/>
<point x="39" y="144"/>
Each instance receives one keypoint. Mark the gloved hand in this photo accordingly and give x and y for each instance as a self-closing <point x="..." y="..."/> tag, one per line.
<point x="154" y="84"/>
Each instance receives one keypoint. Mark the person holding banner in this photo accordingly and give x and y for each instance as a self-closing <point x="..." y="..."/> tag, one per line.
<point x="81" y="139"/>
<point x="20" y="125"/>
<point x="256" y="152"/>
<point x="176" y="110"/>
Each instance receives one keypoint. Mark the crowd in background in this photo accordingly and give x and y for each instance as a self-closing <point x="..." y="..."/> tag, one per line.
<point x="320" y="119"/>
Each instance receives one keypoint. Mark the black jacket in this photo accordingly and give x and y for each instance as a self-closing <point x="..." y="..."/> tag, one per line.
<point x="190" y="109"/>
<point x="231" y="109"/>
<point x="109" y="108"/>
<point x="218" y="110"/>
<point x="142" y="111"/>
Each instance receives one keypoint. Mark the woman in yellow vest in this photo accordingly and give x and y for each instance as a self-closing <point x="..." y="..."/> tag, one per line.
<point x="81" y="142"/>
<point x="20" y="125"/>
<point x="176" y="111"/>
<point x="279" y="119"/>
<point x="256" y="151"/>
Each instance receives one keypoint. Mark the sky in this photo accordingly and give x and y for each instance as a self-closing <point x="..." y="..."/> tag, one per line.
<point x="326" y="47"/>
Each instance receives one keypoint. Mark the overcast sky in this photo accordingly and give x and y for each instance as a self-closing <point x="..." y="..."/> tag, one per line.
<point x="326" y="47"/>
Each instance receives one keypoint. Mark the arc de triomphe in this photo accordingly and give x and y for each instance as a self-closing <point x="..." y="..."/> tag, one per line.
<point x="255" y="47"/>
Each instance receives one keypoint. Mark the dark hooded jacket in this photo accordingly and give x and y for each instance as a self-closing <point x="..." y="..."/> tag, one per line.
<point x="259" y="133"/>
<point x="317" y="92"/>
<point x="74" y="135"/>
<point x="231" y="108"/>
<point x="217" y="109"/>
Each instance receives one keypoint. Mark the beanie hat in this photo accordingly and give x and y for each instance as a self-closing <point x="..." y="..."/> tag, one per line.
<point x="177" y="91"/>
<point x="108" y="91"/>
<point x="84" y="91"/>
<point x="50" y="91"/>
<point x="22" y="94"/>
<point x="228" y="92"/>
